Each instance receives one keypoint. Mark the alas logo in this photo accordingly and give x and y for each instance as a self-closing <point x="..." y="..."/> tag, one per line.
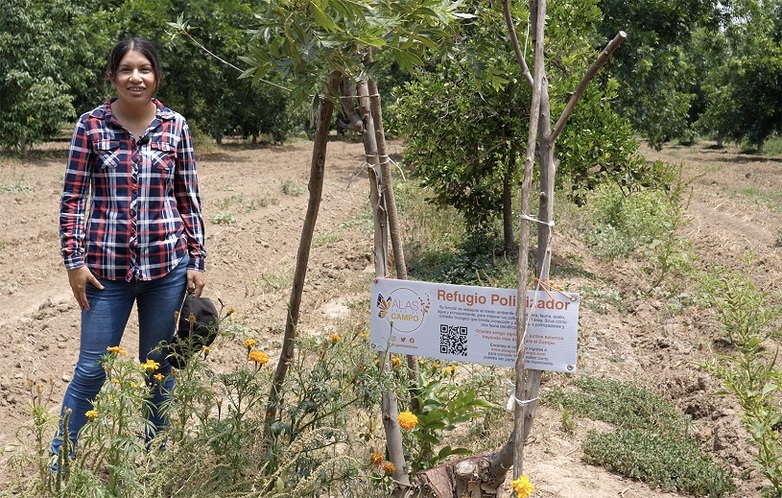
<point x="404" y="308"/>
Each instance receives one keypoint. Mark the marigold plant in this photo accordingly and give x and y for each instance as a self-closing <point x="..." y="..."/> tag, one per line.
<point x="407" y="420"/>
<point x="522" y="486"/>
<point x="258" y="357"/>
<point x="150" y="366"/>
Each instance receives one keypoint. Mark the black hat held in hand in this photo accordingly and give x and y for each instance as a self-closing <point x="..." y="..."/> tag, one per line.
<point x="197" y="327"/>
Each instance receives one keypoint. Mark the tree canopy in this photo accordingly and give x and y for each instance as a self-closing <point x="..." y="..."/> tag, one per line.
<point x="695" y="67"/>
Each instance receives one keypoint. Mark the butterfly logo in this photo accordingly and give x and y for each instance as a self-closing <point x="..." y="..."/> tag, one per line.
<point x="383" y="305"/>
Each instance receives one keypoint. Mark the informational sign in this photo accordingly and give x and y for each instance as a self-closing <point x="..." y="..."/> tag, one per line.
<point x="474" y="324"/>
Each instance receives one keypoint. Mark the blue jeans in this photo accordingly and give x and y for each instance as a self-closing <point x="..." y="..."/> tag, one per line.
<point x="102" y="327"/>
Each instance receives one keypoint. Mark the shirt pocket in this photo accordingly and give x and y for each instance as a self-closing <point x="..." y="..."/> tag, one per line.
<point x="108" y="152"/>
<point x="162" y="154"/>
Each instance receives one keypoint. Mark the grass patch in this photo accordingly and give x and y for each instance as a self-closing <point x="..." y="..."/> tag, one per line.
<point x="650" y="442"/>
<point x="15" y="186"/>
<point x="244" y="203"/>
<point x="767" y="200"/>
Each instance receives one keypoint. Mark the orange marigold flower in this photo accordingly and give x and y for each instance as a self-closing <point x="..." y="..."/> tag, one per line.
<point x="389" y="468"/>
<point x="407" y="420"/>
<point x="376" y="458"/>
<point x="258" y="357"/>
<point x="92" y="414"/>
<point x="249" y="343"/>
<point x="450" y="369"/>
<point x="159" y="377"/>
<point x="395" y="361"/>
<point x="150" y="366"/>
<point x="522" y="486"/>
<point x="231" y="311"/>
<point x="335" y="338"/>
<point x="116" y="350"/>
<point x="435" y="366"/>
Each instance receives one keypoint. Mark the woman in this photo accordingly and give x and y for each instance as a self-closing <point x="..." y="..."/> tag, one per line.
<point x="143" y="237"/>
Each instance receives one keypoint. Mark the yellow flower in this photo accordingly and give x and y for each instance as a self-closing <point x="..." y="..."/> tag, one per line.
<point x="258" y="357"/>
<point x="522" y="487"/>
<point x="92" y="414"/>
<point x="150" y="366"/>
<point x="335" y="338"/>
<point x="395" y="361"/>
<point x="407" y="420"/>
<point x="435" y="366"/>
<point x="159" y="377"/>
<point x="389" y="468"/>
<point x="376" y="458"/>
<point x="116" y="350"/>
<point x="231" y="311"/>
<point x="363" y="335"/>
<point x="450" y="369"/>
<point x="206" y="349"/>
<point x="133" y="384"/>
<point x="249" y="343"/>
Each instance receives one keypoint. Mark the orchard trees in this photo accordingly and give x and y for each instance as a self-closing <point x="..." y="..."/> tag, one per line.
<point x="40" y="71"/>
<point x="742" y="94"/>
<point x="462" y="116"/>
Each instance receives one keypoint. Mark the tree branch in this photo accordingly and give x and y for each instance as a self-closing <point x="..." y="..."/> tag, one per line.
<point x="599" y="63"/>
<point x="514" y="40"/>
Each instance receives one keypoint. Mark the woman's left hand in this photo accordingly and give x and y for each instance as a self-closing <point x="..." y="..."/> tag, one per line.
<point x="196" y="280"/>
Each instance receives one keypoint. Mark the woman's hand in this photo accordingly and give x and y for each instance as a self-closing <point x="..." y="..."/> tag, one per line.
<point x="196" y="280"/>
<point x="79" y="278"/>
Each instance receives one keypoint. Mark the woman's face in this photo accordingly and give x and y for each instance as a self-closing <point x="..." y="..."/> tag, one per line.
<point x="134" y="80"/>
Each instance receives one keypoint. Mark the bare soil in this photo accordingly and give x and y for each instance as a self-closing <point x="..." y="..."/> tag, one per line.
<point x="251" y="260"/>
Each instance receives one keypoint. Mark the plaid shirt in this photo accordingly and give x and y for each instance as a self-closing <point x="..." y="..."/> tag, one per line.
<point x="144" y="209"/>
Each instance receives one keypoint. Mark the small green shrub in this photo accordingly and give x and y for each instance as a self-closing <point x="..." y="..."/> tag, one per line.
<point x="670" y="462"/>
<point x="651" y="441"/>
<point x="223" y="218"/>
<point x="619" y="403"/>
<point x="749" y="371"/>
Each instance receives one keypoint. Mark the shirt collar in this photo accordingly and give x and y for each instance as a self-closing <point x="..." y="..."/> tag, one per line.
<point x="104" y="111"/>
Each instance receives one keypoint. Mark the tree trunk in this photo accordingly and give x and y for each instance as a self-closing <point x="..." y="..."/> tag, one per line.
<point x="379" y="190"/>
<point x="394" y="225"/>
<point x="317" y="168"/>
<point x="507" y="200"/>
<point x="25" y="150"/>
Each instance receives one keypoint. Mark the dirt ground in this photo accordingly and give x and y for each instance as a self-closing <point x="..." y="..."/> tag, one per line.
<point x="254" y="201"/>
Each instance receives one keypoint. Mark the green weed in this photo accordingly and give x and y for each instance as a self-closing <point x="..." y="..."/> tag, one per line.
<point x="15" y="186"/>
<point x="223" y="218"/>
<point x="651" y="441"/>
<point x="289" y="187"/>
<point x="750" y="372"/>
<point x="668" y="461"/>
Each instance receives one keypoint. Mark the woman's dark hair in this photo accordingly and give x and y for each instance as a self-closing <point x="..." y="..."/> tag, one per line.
<point x="145" y="47"/>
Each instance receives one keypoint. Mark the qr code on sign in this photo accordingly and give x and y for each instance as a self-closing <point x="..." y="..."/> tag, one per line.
<point x="453" y="339"/>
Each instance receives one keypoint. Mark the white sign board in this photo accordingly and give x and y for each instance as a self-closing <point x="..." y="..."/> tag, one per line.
<point x="473" y="324"/>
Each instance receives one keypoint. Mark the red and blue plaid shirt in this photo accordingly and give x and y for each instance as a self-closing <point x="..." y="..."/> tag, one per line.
<point x="144" y="205"/>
